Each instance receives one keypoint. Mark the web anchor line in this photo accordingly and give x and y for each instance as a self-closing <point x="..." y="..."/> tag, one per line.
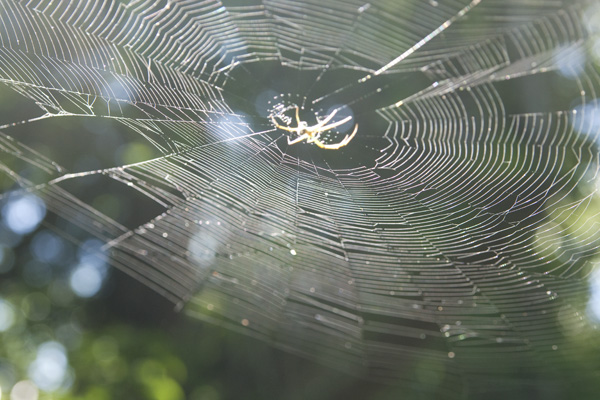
<point x="408" y="52"/>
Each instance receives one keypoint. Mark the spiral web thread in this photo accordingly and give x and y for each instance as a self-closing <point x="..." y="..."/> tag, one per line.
<point x="465" y="232"/>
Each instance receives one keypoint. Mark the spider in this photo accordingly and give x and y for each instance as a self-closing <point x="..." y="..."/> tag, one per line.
<point x="312" y="133"/>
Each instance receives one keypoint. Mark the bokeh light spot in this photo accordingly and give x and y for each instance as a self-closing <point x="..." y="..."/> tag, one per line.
<point x="593" y="306"/>
<point x="49" y="369"/>
<point x="24" y="390"/>
<point x="570" y="61"/>
<point x="47" y="247"/>
<point x="86" y="280"/>
<point x="7" y="315"/>
<point x="22" y="214"/>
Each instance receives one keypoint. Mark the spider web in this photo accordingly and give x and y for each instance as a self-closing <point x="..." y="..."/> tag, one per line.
<point x="460" y="224"/>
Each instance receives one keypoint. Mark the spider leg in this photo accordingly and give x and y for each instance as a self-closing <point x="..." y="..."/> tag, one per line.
<point x="335" y="124"/>
<point x="348" y="138"/>
<point x="327" y="118"/>
<point x="285" y="128"/>
<point x="336" y="146"/>
<point x="298" y="115"/>
<point x="298" y="139"/>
